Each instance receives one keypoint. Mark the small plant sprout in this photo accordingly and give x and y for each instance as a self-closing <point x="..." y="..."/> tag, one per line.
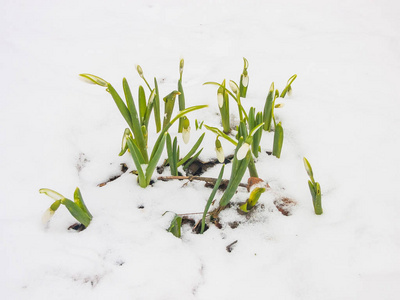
<point x="198" y="125"/>
<point x="278" y="140"/>
<point x="244" y="79"/>
<point x="211" y="198"/>
<point x="219" y="150"/>
<point x="288" y="88"/>
<point x="175" y="226"/>
<point x="269" y="107"/>
<point x="315" y="188"/>
<point x="77" y="208"/>
<point x="253" y="199"/>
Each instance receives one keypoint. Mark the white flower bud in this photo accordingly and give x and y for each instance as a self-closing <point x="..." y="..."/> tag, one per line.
<point x="245" y="80"/>
<point x="233" y="86"/>
<point x="220" y="99"/>
<point x="47" y="215"/>
<point x="242" y="152"/>
<point x="186" y="134"/>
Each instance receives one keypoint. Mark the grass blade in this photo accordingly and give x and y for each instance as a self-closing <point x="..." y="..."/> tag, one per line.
<point x="210" y="199"/>
<point x="192" y="151"/>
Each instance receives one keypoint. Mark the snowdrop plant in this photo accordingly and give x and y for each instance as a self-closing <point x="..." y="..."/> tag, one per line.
<point x="315" y="188"/>
<point x="77" y="208"/>
<point x="138" y="123"/>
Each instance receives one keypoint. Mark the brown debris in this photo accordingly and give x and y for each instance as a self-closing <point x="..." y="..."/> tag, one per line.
<point x="285" y="205"/>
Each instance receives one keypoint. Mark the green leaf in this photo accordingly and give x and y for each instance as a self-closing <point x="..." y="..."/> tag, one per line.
<point x="135" y="126"/>
<point x="171" y="155"/>
<point x="175" y="227"/>
<point x="278" y="141"/>
<point x="165" y="129"/>
<point x="221" y="134"/>
<point x="121" y="106"/>
<point x="268" y="107"/>
<point x="187" y="165"/>
<point x="78" y="199"/>
<point x="317" y="202"/>
<point x="211" y="198"/>
<point x="76" y="212"/>
<point x="142" y="104"/>
<point x="238" y="170"/>
<point x="156" y="106"/>
<point x="154" y="160"/>
<point x="169" y="106"/>
<point x="135" y="152"/>
<point x="192" y="151"/>
<point x="288" y="85"/>
<point x="181" y="101"/>
<point x="309" y="170"/>
<point x="149" y="108"/>
<point x="52" y="194"/>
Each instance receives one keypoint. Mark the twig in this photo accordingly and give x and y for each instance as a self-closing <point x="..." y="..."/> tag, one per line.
<point x="208" y="180"/>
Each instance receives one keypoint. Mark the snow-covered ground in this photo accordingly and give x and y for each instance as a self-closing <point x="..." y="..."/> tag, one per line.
<point x="60" y="133"/>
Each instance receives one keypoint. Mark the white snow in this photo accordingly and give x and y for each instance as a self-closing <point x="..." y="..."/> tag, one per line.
<point x="57" y="132"/>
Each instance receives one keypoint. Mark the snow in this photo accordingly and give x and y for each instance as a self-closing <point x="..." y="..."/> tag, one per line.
<point x="57" y="132"/>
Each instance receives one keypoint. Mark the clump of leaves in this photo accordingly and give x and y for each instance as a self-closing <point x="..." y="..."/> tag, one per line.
<point x="136" y="136"/>
<point x="77" y="208"/>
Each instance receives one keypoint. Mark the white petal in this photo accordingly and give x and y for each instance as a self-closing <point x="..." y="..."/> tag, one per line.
<point x="47" y="215"/>
<point x="220" y="99"/>
<point x="186" y="135"/>
<point x="233" y="86"/>
<point x="245" y="81"/>
<point x="220" y="154"/>
<point x="242" y="152"/>
<point x="52" y="194"/>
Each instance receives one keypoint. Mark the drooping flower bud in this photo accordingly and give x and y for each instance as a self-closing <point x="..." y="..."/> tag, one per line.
<point x="93" y="79"/>
<point x="139" y="70"/>
<point x="219" y="150"/>
<point x="185" y="130"/>
<point x="233" y="86"/>
<point x="242" y="152"/>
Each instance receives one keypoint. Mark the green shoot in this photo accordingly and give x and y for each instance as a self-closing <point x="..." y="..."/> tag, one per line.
<point x="244" y="79"/>
<point x="238" y="169"/>
<point x="253" y="199"/>
<point x="278" y="140"/>
<point x="175" y="227"/>
<point x="169" y="101"/>
<point x="315" y="188"/>
<point x="288" y="88"/>
<point x="223" y="105"/>
<point x="211" y="198"/>
<point x="77" y="208"/>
